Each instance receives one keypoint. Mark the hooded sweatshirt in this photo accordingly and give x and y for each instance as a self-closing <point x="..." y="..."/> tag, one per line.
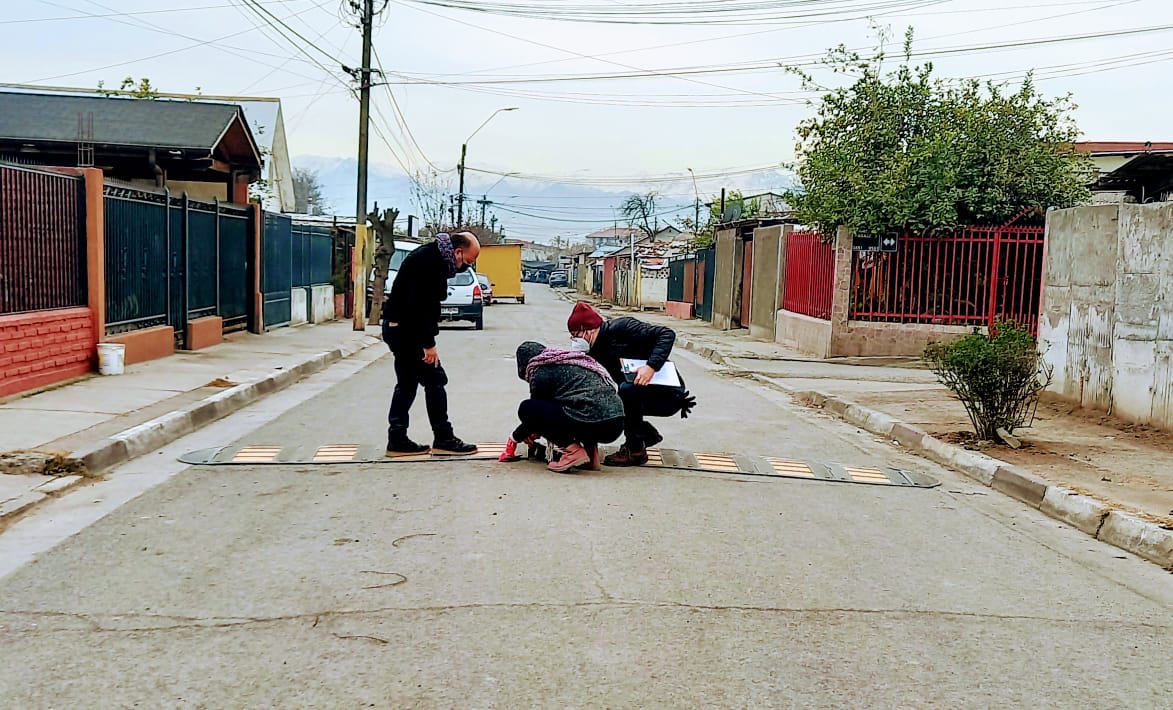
<point x="584" y="394"/>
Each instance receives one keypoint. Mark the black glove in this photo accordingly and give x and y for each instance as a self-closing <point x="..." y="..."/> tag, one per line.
<point x="687" y="402"/>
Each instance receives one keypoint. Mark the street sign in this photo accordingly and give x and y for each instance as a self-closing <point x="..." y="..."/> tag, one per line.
<point x="886" y="242"/>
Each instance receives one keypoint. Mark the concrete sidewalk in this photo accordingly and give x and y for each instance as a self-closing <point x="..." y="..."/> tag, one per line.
<point x="105" y="420"/>
<point x="1112" y="479"/>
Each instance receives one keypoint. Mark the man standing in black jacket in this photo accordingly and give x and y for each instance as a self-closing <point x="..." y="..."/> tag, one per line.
<point x="411" y="320"/>
<point x="628" y="338"/>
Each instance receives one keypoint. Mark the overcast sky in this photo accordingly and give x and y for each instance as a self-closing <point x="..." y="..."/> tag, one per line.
<point x="594" y="130"/>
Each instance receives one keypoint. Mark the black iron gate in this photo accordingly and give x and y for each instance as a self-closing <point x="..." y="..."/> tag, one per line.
<point x="171" y="259"/>
<point x="706" y="268"/>
<point x="277" y="270"/>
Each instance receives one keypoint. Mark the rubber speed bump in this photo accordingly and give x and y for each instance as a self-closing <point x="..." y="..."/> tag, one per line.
<point x="256" y="454"/>
<point x="671" y="459"/>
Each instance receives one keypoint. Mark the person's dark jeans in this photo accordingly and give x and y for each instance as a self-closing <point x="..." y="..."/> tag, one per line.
<point x="645" y="401"/>
<point x="411" y="372"/>
<point x="545" y="418"/>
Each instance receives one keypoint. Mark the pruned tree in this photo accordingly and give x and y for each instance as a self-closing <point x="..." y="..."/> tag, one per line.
<point x="308" y="195"/>
<point x="905" y="150"/>
<point x="384" y="226"/>
<point x="640" y="210"/>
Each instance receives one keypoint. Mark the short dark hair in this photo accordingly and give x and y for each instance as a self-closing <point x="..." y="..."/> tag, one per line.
<point x="461" y="240"/>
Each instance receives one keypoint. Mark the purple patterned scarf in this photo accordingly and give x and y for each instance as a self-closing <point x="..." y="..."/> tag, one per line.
<point x="444" y="241"/>
<point x="556" y="356"/>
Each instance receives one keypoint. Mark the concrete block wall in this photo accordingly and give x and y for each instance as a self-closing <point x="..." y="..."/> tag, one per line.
<point x="40" y="348"/>
<point x="321" y="304"/>
<point x="299" y="310"/>
<point x="1107" y="321"/>
<point x="769" y="263"/>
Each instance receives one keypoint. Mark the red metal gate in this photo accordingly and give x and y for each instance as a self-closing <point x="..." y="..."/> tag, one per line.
<point x="973" y="277"/>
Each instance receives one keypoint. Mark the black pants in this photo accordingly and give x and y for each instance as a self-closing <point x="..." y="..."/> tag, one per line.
<point x="545" y="418"/>
<point x="411" y="372"/>
<point x="645" y="401"/>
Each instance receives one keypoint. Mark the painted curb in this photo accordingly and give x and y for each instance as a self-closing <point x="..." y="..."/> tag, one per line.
<point x="163" y="430"/>
<point x="1078" y="511"/>
<point x="1020" y="484"/>
<point x="1139" y="537"/>
<point x="1123" y="530"/>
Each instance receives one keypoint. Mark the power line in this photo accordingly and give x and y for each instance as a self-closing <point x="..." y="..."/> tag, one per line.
<point x="196" y="45"/>
<point x="129" y="13"/>
<point x="778" y="63"/>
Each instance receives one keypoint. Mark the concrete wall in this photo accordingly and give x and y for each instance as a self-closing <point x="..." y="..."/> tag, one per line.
<point x="766" y="292"/>
<point x="299" y="310"/>
<point x="804" y="333"/>
<point x="321" y="304"/>
<point x="146" y="344"/>
<point x="653" y="288"/>
<point x="205" y="332"/>
<point x="726" y="280"/>
<point x="1107" y="323"/>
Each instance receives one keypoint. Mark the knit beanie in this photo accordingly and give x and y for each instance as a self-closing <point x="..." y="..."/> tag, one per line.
<point x="583" y="317"/>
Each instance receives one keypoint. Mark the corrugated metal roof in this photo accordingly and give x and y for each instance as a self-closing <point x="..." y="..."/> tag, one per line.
<point x="156" y="123"/>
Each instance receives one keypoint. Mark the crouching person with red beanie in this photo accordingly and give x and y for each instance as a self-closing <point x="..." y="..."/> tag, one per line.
<point x="610" y="342"/>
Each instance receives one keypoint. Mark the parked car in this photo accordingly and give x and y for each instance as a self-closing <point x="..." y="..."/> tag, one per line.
<point x="486" y="289"/>
<point x="464" y="300"/>
<point x="558" y="278"/>
<point x="402" y="249"/>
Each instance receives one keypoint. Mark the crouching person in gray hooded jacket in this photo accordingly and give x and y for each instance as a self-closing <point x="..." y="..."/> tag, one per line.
<point x="573" y="404"/>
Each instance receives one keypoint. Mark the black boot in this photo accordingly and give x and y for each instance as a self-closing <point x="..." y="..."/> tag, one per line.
<point x="452" y="446"/>
<point x="405" y="447"/>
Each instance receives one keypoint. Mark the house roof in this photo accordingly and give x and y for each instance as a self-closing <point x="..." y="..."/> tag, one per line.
<point x="614" y="233"/>
<point x="1123" y="147"/>
<point x="157" y="123"/>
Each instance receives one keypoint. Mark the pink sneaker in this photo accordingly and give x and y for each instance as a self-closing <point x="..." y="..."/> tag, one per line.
<point x="573" y="455"/>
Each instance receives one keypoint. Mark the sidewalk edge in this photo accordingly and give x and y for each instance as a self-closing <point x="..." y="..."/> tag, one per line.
<point x="1121" y="529"/>
<point x="160" y="431"/>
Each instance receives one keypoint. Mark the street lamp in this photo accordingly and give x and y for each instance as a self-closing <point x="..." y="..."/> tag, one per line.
<point x="463" y="153"/>
<point x="696" y="220"/>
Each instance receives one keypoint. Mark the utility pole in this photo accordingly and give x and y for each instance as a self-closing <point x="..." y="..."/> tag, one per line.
<point x="362" y="240"/>
<point x="484" y="202"/>
<point x="460" y="200"/>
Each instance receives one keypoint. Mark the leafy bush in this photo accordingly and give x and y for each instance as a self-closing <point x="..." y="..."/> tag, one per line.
<point x="998" y="379"/>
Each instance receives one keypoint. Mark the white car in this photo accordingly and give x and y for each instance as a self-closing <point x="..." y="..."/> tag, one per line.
<point x="464" y="300"/>
<point x="402" y="249"/>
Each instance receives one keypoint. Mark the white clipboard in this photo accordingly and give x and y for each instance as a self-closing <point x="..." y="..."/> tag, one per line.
<point x="666" y="376"/>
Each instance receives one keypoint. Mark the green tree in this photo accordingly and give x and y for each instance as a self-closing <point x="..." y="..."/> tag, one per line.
<point x="905" y="150"/>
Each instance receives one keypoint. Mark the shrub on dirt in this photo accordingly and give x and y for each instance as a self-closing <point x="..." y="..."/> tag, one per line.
<point x="998" y="378"/>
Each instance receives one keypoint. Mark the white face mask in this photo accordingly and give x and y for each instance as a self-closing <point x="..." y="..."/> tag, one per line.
<point x="582" y="345"/>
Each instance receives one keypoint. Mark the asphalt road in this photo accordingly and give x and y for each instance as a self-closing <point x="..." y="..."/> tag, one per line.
<point x="478" y="584"/>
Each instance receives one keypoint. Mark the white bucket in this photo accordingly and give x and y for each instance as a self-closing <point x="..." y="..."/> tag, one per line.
<point x="110" y="358"/>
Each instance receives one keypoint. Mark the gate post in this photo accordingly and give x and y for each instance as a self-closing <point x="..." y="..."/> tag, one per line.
<point x="186" y="285"/>
<point x="216" y="241"/>
<point x="995" y="280"/>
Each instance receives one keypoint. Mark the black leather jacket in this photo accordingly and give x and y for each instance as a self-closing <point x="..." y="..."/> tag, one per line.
<point x="632" y="339"/>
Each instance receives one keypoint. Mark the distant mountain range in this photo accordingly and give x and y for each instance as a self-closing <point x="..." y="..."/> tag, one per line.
<point x="537" y="211"/>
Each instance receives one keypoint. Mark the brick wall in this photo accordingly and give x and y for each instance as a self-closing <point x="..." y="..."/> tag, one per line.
<point x="38" y="349"/>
